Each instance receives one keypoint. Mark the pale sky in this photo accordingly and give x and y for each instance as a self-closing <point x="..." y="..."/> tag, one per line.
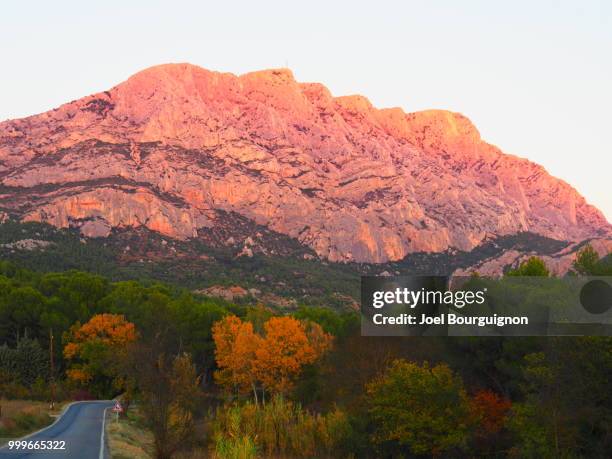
<point x="534" y="76"/>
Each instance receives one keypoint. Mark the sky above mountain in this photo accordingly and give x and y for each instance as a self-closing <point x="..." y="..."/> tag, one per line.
<point x="533" y="76"/>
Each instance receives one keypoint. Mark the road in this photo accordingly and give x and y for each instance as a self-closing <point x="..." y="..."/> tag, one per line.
<point x="80" y="427"/>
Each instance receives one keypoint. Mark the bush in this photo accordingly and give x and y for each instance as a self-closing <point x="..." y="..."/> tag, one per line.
<point x="281" y="427"/>
<point x="236" y="448"/>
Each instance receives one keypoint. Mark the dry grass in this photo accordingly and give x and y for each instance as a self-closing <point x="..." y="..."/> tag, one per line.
<point x="127" y="439"/>
<point x="21" y="417"/>
<point x="12" y="407"/>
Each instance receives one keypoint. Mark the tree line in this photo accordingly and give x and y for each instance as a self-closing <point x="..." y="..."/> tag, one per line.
<point x="306" y="384"/>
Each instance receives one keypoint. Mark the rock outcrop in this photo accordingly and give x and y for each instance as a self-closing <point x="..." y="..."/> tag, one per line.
<point x="176" y="144"/>
<point x="558" y="263"/>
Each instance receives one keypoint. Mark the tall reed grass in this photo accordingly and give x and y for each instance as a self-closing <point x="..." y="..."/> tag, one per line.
<point x="281" y="428"/>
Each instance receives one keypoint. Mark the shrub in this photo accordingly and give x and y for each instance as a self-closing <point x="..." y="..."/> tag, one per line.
<point x="280" y="427"/>
<point x="232" y="444"/>
<point x="235" y="448"/>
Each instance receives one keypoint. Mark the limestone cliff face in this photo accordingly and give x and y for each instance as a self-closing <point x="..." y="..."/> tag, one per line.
<point x="175" y="143"/>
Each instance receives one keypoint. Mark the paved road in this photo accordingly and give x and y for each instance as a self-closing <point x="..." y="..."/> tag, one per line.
<point x="80" y="427"/>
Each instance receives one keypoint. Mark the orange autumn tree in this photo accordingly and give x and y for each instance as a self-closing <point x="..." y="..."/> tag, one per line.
<point x="270" y="362"/>
<point x="91" y="348"/>
<point x="288" y="345"/>
<point x="235" y="344"/>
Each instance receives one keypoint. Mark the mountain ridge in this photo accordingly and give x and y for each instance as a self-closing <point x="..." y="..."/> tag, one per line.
<point x="175" y="143"/>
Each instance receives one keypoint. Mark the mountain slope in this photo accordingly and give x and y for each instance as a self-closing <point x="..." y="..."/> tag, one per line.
<point x="283" y="271"/>
<point x="176" y="147"/>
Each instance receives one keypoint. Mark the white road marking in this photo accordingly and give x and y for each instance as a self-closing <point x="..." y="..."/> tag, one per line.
<point x="101" y="456"/>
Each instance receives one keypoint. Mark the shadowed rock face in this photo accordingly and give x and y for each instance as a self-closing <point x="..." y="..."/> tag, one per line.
<point x="175" y="143"/>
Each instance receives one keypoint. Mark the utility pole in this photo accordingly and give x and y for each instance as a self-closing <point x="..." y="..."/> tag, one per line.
<point x="52" y="376"/>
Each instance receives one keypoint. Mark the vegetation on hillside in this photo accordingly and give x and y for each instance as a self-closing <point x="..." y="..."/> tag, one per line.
<point x="294" y="272"/>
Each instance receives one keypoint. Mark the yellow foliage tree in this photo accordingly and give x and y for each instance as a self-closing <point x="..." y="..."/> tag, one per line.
<point x="284" y="351"/>
<point x="271" y="362"/>
<point x="235" y="344"/>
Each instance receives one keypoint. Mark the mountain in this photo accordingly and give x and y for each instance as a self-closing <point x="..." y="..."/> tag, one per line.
<point x="178" y="149"/>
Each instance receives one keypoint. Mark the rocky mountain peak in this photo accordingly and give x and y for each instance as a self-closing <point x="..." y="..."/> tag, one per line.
<point x="176" y="145"/>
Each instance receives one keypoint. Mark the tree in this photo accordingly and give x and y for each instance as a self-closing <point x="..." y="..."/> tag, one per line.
<point x="586" y="261"/>
<point x="25" y="363"/>
<point x="91" y="348"/>
<point x="566" y="410"/>
<point x="489" y="413"/>
<point x="424" y="409"/>
<point x="288" y="345"/>
<point x="149" y="307"/>
<point x="168" y="390"/>
<point x="339" y="325"/>
<point x="495" y="362"/>
<point x="534" y="266"/>
<point x="20" y="311"/>
<point x="194" y="322"/>
<point x="249" y="361"/>
<point x="80" y="292"/>
<point x="235" y="346"/>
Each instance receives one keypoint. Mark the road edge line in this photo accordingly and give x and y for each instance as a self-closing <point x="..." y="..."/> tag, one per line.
<point x="102" y="434"/>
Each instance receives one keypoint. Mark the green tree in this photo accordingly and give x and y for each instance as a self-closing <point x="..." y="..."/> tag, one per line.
<point x="25" y="363"/>
<point x="79" y="292"/>
<point x="337" y="324"/>
<point x="586" y="261"/>
<point x="495" y="362"/>
<point x="567" y="407"/>
<point x="534" y="266"/>
<point x="420" y="408"/>
<point x="146" y="306"/>
<point x="20" y="311"/>
<point x="194" y="322"/>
